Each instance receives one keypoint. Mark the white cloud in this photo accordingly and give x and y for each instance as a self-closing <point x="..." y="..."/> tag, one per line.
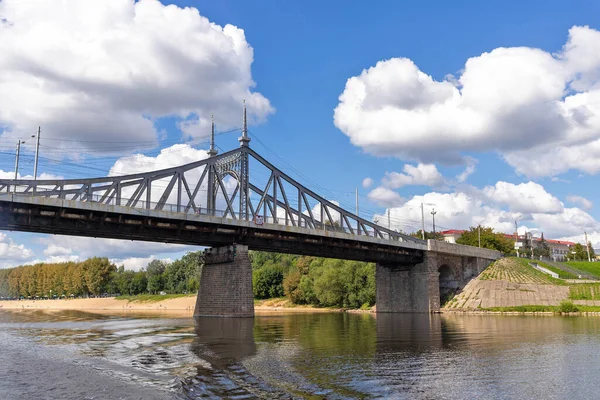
<point x="593" y="238"/>
<point x="527" y="197"/>
<point x="581" y="201"/>
<point x="496" y="206"/>
<point x="137" y="263"/>
<point x="541" y="111"/>
<point x="469" y="170"/>
<point x="68" y="65"/>
<point x="11" y="253"/>
<point x="421" y="174"/>
<point x="54" y="250"/>
<point x="385" y="197"/>
<point x="367" y="182"/>
<point x="86" y="247"/>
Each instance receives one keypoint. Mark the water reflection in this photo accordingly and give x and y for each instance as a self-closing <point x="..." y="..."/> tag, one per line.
<point x="333" y="356"/>
<point x="400" y="332"/>
<point x="223" y="341"/>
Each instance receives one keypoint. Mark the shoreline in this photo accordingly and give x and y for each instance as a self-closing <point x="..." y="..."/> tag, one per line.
<point x="180" y="305"/>
<point x="184" y="306"/>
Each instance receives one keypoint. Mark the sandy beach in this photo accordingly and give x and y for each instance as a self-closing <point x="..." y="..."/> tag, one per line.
<point x="180" y="305"/>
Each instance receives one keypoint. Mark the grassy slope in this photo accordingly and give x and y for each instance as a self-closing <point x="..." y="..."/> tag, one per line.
<point x="561" y="273"/>
<point x="517" y="270"/>
<point x="590" y="267"/>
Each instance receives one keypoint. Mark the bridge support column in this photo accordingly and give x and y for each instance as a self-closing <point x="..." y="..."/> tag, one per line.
<point x="225" y="283"/>
<point x="408" y="288"/>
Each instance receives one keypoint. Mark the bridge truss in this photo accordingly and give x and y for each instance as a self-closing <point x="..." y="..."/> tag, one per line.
<point x="237" y="185"/>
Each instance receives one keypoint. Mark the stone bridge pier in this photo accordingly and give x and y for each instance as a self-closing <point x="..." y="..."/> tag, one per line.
<point x="422" y="287"/>
<point x="225" y="283"/>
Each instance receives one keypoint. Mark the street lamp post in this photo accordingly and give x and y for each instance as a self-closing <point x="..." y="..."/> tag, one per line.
<point x="479" y="231"/>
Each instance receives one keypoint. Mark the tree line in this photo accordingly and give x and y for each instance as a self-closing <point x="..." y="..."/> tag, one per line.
<point x="97" y="276"/>
<point x="303" y="280"/>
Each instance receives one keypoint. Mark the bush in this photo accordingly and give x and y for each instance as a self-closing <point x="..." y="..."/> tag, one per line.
<point x="567" y="307"/>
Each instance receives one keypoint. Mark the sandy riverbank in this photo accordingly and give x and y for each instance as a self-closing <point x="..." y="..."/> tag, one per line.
<point x="180" y="305"/>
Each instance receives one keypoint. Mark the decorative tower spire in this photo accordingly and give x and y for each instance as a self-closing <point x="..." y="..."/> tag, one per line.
<point x="244" y="140"/>
<point x="212" y="152"/>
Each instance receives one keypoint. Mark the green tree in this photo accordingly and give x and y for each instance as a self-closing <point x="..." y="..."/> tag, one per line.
<point x="542" y="249"/>
<point x="489" y="239"/>
<point x="97" y="273"/>
<point x="579" y="252"/>
<point x="155" y="274"/>
<point x="267" y="282"/>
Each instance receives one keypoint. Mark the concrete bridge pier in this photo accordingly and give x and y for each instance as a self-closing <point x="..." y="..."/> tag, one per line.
<point x="407" y="288"/>
<point x="225" y="283"/>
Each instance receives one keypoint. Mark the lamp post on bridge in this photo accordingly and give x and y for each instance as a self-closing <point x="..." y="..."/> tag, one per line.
<point x="479" y="231"/>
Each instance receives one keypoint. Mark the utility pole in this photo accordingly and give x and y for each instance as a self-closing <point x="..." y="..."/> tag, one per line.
<point x="17" y="159"/>
<point x="587" y="247"/>
<point x="389" y="225"/>
<point x="37" y="152"/>
<point x="531" y="243"/>
<point x="357" y="202"/>
<point x="212" y="152"/>
<point x="433" y="212"/>
<point x="422" y="223"/>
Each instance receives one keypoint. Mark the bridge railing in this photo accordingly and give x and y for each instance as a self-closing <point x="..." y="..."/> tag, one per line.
<point x="174" y="208"/>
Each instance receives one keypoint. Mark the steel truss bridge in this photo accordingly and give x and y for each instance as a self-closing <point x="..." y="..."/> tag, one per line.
<point x="235" y="197"/>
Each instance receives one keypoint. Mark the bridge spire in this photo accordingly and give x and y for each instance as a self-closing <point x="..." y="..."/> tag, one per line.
<point x="244" y="139"/>
<point x="212" y="152"/>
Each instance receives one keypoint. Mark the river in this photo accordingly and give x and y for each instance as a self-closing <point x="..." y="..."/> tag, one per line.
<point x="77" y="355"/>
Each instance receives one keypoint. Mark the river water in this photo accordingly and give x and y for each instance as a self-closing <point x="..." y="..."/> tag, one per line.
<point x="76" y="355"/>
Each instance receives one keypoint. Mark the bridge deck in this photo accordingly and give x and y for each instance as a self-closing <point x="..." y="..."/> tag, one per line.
<point x="71" y="217"/>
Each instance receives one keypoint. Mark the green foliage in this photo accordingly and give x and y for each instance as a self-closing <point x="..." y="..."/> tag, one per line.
<point x="314" y="280"/>
<point x="181" y="276"/>
<point x="579" y="253"/>
<point x="97" y="276"/>
<point x="567" y="307"/>
<point x="489" y="239"/>
<point x="267" y="282"/>
<point x="155" y="268"/>
<point x="543" y="249"/>
<point x="96" y="272"/>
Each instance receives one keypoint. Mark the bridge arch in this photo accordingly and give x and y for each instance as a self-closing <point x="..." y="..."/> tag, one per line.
<point x="448" y="282"/>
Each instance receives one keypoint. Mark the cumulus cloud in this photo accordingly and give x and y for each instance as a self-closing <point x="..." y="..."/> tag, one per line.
<point x="86" y="69"/>
<point x="469" y="170"/>
<point x="11" y="253"/>
<point x="581" y="201"/>
<point x="137" y="263"/>
<point x="54" y="250"/>
<point x="385" y="197"/>
<point x="469" y="206"/>
<point x="421" y="174"/>
<point x="540" y="110"/>
<point x="527" y="197"/>
<point x="367" y="182"/>
<point x="86" y="247"/>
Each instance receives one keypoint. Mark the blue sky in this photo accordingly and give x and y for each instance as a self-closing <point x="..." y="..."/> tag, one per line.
<point x="427" y="117"/>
